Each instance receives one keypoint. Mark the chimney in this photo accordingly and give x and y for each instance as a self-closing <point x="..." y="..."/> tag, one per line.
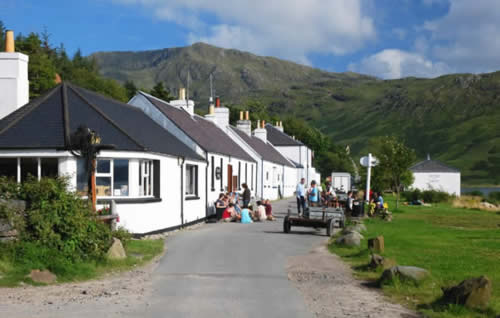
<point x="261" y="132"/>
<point x="182" y="102"/>
<point x="279" y="126"/>
<point x="211" y="113"/>
<point x="428" y="156"/>
<point x="244" y="125"/>
<point x="14" y="85"/>
<point x="221" y="114"/>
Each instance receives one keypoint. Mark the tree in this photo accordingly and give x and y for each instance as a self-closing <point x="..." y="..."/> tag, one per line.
<point x="130" y="88"/>
<point x="160" y="92"/>
<point x="395" y="159"/>
<point x="2" y="37"/>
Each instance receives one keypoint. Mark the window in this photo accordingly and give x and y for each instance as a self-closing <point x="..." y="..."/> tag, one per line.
<point x="191" y="180"/>
<point x="213" y="174"/>
<point x="8" y="167"/>
<point x="103" y="178"/>
<point x="145" y="178"/>
<point x="22" y="168"/>
<point x="82" y="185"/>
<point x="120" y="177"/>
<point x="267" y="176"/>
<point x="111" y="177"/>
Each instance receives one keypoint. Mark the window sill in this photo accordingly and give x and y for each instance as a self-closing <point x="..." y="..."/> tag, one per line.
<point x="189" y="198"/>
<point x="129" y="201"/>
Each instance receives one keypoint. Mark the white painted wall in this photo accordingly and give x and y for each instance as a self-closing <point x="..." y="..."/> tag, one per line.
<point x="14" y="85"/>
<point x="448" y="182"/>
<point x="290" y="181"/>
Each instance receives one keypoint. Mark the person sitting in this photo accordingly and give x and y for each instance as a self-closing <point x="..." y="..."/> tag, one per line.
<point x="380" y="201"/>
<point x="220" y="205"/>
<point x="230" y="214"/>
<point x="260" y="212"/>
<point x="349" y="203"/>
<point x="313" y="194"/>
<point x="269" y="210"/>
<point x="245" y="216"/>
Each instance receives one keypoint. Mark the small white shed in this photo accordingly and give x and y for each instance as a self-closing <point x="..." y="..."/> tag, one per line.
<point x="341" y="181"/>
<point x="435" y="175"/>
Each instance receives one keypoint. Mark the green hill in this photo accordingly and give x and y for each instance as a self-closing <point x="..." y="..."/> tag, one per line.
<point x="455" y="118"/>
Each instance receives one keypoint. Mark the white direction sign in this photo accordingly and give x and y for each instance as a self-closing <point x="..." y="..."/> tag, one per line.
<point x="364" y="161"/>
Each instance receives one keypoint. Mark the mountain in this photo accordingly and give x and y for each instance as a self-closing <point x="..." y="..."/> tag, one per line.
<point x="454" y="118"/>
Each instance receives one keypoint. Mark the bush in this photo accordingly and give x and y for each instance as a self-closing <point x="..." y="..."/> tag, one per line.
<point x="494" y="197"/>
<point x="427" y="196"/>
<point x="58" y="220"/>
<point x="474" y="193"/>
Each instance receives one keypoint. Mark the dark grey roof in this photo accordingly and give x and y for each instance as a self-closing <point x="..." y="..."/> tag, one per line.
<point x="204" y="132"/>
<point x="278" y="138"/>
<point x="267" y="151"/>
<point x="432" y="166"/>
<point x="48" y="122"/>
<point x="297" y="165"/>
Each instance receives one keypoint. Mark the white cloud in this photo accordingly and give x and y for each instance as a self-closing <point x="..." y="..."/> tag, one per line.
<point x="289" y="29"/>
<point x="467" y="36"/>
<point x="393" y="63"/>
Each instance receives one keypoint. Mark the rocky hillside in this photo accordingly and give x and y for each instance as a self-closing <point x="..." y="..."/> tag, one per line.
<point x="455" y="118"/>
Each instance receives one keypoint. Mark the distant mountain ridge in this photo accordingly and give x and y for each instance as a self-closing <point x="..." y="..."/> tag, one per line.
<point x="455" y="118"/>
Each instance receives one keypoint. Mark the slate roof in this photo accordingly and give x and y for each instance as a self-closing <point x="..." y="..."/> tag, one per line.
<point x="204" y="132"/>
<point x="49" y="121"/>
<point x="278" y="138"/>
<point x="297" y="165"/>
<point x="267" y="151"/>
<point x="432" y="166"/>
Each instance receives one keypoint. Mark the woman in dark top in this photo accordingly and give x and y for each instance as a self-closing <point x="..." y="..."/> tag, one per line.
<point x="246" y="195"/>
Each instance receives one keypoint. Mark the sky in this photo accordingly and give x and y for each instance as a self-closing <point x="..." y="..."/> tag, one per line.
<point x="384" y="38"/>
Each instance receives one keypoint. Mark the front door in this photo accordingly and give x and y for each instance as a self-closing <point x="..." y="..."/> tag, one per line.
<point x="229" y="178"/>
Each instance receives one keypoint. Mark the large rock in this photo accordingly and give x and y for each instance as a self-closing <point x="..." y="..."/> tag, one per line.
<point x="359" y="227"/>
<point x="377" y="244"/>
<point x="473" y="293"/>
<point x="45" y="276"/>
<point x="404" y="274"/>
<point x="376" y="261"/>
<point x="350" y="239"/>
<point x="116" y="251"/>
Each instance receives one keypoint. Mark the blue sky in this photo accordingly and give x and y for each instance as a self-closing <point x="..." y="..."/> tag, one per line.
<point x="385" y="38"/>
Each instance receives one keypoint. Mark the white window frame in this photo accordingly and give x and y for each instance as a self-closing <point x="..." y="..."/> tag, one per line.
<point x="146" y="175"/>
<point x="38" y="162"/>
<point x="194" y="176"/>
<point x="110" y="175"/>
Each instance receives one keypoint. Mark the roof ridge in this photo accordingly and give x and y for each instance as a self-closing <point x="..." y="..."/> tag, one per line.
<point x="34" y="105"/>
<point x="106" y="117"/>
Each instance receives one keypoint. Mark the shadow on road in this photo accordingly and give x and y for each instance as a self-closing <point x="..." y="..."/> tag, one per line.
<point x="316" y="233"/>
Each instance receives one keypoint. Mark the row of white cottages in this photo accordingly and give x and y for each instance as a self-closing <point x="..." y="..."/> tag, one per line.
<point x="168" y="165"/>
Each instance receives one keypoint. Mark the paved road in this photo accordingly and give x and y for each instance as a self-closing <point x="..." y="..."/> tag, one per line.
<point x="230" y="270"/>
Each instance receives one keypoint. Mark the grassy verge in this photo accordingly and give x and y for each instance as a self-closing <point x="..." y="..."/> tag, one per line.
<point x="452" y="243"/>
<point x="139" y="252"/>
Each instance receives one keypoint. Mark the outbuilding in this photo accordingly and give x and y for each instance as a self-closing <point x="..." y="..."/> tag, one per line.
<point x="435" y="175"/>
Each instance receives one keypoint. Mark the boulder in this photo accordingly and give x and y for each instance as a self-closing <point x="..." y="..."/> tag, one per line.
<point x="45" y="276"/>
<point x="116" y="251"/>
<point x="473" y="293"/>
<point x="405" y="274"/>
<point x="350" y="239"/>
<point x="377" y="244"/>
<point x="359" y="227"/>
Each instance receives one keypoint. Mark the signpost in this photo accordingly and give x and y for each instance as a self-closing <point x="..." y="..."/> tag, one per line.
<point x="368" y="162"/>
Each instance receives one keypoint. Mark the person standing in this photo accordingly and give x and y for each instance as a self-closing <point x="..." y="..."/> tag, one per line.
<point x="300" y="193"/>
<point x="246" y="195"/>
<point x="313" y="194"/>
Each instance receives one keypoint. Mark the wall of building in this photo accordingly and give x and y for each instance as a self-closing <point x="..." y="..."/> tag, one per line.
<point x="290" y="181"/>
<point x="448" y="182"/>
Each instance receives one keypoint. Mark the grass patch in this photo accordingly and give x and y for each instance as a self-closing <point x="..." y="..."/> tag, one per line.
<point x="139" y="252"/>
<point x="452" y="243"/>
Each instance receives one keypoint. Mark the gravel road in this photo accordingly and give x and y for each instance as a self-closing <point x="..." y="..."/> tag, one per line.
<point x="218" y="270"/>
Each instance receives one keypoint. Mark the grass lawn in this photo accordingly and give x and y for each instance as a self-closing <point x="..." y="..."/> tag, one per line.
<point x="139" y="252"/>
<point x="452" y="243"/>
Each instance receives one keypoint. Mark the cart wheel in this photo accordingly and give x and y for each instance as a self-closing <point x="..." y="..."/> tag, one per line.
<point x="342" y="224"/>
<point x="330" y="227"/>
<point x="286" y="225"/>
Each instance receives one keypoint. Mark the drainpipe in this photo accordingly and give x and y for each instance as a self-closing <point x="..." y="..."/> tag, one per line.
<point x="206" y="184"/>
<point x="262" y="179"/>
<point x="182" y="192"/>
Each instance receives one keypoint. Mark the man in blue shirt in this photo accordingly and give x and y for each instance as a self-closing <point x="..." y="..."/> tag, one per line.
<point x="300" y="193"/>
<point x="313" y="194"/>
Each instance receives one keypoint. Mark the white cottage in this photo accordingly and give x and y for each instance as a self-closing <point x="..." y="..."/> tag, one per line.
<point x="294" y="150"/>
<point x="276" y="175"/>
<point x="435" y="175"/>
<point x="228" y="166"/>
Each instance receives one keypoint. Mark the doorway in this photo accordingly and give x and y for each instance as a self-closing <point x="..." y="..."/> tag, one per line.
<point x="229" y="178"/>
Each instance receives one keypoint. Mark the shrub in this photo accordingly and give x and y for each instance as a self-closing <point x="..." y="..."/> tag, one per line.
<point x="58" y="220"/>
<point x="474" y="193"/>
<point x="494" y="197"/>
<point x="427" y="196"/>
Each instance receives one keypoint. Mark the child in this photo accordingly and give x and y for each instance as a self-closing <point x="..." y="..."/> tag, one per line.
<point x="269" y="210"/>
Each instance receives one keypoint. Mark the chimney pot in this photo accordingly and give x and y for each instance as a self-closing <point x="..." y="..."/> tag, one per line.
<point x="182" y="93"/>
<point x="217" y="102"/>
<point x="211" y="110"/>
<point x="263" y="123"/>
<point x="247" y="115"/>
<point x="241" y="115"/>
<point x="9" y="41"/>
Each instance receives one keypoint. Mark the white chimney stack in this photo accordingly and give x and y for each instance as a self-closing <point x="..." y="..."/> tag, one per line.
<point x="221" y="114"/>
<point x="14" y="84"/>
<point x="244" y="124"/>
<point x="279" y="126"/>
<point x="261" y="132"/>
<point x="183" y="103"/>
